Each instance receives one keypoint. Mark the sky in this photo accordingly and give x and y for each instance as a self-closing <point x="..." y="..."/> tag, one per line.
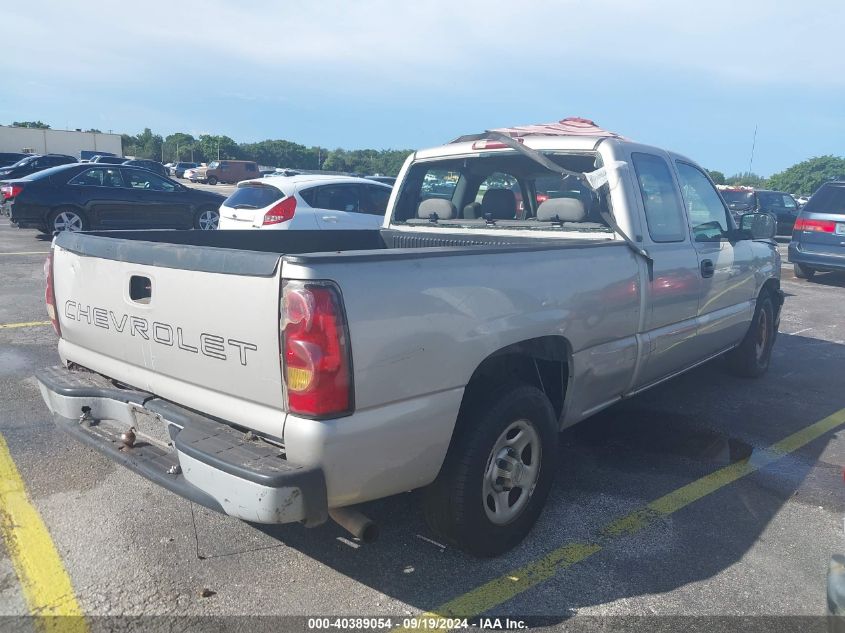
<point x="691" y="76"/>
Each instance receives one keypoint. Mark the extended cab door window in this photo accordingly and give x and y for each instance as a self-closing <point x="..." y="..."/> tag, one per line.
<point x="707" y="213"/>
<point x="663" y="211"/>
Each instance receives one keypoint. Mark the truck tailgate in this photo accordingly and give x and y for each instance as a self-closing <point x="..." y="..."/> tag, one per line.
<point x="205" y="340"/>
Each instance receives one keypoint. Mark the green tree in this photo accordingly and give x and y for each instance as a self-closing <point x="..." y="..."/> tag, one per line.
<point x="34" y="124"/>
<point x="747" y="179"/>
<point x="212" y="147"/>
<point x="717" y="176"/>
<point x="94" y="130"/>
<point x="805" y="177"/>
<point x="179" y="146"/>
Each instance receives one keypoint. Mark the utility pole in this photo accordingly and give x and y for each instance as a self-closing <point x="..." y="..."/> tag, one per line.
<point x="218" y="148"/>
<point x="753" y="144"/>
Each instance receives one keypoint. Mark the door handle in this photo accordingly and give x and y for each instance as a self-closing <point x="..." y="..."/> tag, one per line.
<point x="330" y="218"/>
<point x="707" y="268"/>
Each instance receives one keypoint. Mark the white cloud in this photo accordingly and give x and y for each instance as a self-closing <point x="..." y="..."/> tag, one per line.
<point x="426" y="43"/>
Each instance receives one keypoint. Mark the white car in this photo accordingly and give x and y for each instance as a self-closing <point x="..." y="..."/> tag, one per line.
<point x="189" y="174"/>
<point x="305" y="202"/>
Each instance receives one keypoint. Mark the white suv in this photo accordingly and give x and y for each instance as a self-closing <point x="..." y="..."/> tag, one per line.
<point x="305" y="202"/>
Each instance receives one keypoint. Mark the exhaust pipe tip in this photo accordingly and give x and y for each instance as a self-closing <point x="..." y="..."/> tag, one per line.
<point x="356" y="523"/>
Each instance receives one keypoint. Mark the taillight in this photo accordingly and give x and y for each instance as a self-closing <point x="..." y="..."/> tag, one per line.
<point x="542" y="197"/>
<point x="820" y="226"/>
<point x="50" y="294"/>
<point x="316" y="360"/>
<point x="282" y="212"/>
<point x="10" y="191"/>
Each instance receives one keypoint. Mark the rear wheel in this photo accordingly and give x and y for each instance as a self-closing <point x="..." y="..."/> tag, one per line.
<point x="67" y="219"/>
<point x="804" y="272"/>
<point x="497" y="472"/>
<point x="212" y="180"/>
<point x="207" y="219"/>
<point x="751" y="358"/>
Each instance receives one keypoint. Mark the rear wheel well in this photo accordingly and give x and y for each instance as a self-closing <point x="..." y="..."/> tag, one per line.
<point x="543" y="362"/>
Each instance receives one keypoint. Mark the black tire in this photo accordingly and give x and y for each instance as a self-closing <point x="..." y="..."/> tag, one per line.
<point x="804" y="272"/>
<point x="454" y="504"/>
<point x="751" y="358"/>
<point x="212" y="180"/>
<point x="201" y="219"/>
<point x="69" y="217"/>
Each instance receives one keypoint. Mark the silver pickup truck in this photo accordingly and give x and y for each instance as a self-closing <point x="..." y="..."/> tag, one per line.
<point x="523" y="280"/>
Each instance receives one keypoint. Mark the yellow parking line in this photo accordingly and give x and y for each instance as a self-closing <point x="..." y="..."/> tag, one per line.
<point x="513" y="583"/>
<point x="44" y="581"/>
<point x="28" y="253"/>
<point x="7" y="326"/>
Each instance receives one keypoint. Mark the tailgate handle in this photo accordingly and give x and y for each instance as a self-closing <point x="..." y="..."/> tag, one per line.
<point x="140" y="288"/>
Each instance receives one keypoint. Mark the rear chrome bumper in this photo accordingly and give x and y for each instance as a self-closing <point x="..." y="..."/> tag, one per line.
<point x="197" y="457"/>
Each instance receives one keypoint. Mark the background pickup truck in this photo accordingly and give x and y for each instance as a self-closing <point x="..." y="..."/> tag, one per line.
<point x="287" y="376"/>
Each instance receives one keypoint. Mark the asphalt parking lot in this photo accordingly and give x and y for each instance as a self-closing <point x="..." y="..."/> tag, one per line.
<point x="704" y="496"/>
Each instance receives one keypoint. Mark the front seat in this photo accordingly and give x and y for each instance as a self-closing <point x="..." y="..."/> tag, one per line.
<point x="499" y="203"/>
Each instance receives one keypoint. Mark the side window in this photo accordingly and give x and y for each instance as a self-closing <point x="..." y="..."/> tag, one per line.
<point x="98" y="177"/>
<point x="789" y="202"/>
<point x="251" y="167"/>
<point x="224" y="166"/>
<point x="663" y="212"/>
<point x="137" y="179"/>
<point x="334" y="197"/>
<point x="439" y="183"/>
<point x="707" y="213"/>
<point x="375" y="201"/>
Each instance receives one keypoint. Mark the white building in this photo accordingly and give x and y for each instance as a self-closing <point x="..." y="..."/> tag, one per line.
<point x="35" y="141"/>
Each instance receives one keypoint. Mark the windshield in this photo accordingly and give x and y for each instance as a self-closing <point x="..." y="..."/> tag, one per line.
<point x="738" y="198"/>
<point x="213" y="164"/>
<point x="503" y="190"/>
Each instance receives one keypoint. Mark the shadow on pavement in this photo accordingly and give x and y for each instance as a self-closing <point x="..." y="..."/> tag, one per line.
<point x="612" y="464"/>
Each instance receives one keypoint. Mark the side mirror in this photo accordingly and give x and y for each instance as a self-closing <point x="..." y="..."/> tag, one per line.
<point x="758" y="226"/>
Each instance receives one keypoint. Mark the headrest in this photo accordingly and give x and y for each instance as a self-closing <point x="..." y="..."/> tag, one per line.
<point x="500" y="203"/>
<point x="563" y="209"/>
<point x="444" y="209"/>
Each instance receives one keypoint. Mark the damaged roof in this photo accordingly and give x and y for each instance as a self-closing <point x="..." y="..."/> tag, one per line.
<point x="570" y="126"/>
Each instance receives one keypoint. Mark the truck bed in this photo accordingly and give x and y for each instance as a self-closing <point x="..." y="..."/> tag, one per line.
<point x="256" y="253"/>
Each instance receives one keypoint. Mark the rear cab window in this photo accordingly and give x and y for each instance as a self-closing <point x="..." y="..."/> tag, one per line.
<point x="503" y="190"/>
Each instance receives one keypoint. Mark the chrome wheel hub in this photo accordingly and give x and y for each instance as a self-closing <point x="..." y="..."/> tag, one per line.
<point x="513" y="469"/>
<point x="67" y="221"/>
<point x="209" y="219"/>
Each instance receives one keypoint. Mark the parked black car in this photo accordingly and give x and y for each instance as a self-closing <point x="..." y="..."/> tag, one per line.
<point x="818" y="242"/>
<point x="10" y="158"/>
<point x="108" y="160"/>
<point x="387" y="180"/>
<point x="88" y="195"/>
<point x="154" y="166"/>
<point x="779" y="203"/>
<point x="34" y="163"/>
